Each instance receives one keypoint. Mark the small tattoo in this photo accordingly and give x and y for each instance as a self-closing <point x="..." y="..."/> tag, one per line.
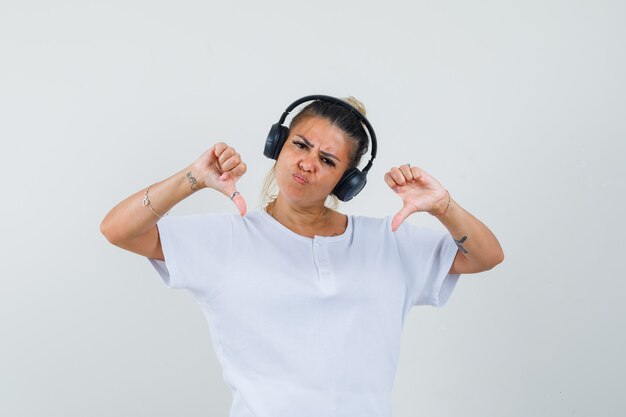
<point x="192" y="180"/>
<point x="460" y="242"/>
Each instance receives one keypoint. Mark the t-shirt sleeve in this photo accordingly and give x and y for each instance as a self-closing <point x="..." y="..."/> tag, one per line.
<point x="196" y="249"/>
<point x="427" y="256"/>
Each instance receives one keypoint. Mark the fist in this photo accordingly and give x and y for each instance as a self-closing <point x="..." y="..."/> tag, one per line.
<point x="418" y="190"/>
<point x="220" y="168"/>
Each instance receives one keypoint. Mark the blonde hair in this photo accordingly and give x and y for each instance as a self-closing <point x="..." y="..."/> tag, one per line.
<point x="356" y="104"/>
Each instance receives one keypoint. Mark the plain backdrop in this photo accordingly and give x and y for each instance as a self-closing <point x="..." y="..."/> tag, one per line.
<point x="518" y="108"/>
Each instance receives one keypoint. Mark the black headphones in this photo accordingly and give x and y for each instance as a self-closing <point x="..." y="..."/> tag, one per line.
<point x="353" y="180"/>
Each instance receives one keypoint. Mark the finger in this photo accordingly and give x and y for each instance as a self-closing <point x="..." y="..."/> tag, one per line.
<point x="397" y="175"/>
<point x="401" y="216"/>
<point x="227" y="176"/>
<point x="218" y="148"/>
<point x="416" y="172"/>
<point x="239" y="170"/>
<point x="407" y="172"/>
<point x="390" y="181"/>
<point x="240" y="202"/>
<point x="231" y="162"/>
<point x="236" y="172"/>
<point x="231" y="192"/>
<point x="226" y="155"/>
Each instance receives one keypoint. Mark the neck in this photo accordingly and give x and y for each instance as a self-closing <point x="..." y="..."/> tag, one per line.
<point x="305" y="220"/>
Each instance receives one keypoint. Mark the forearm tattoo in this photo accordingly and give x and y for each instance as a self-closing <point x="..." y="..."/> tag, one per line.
<point x="460" y="242"/>
<point x="192" y="180"/>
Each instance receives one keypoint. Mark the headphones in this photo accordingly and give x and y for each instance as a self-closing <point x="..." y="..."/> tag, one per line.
<point x="353" y="180"/>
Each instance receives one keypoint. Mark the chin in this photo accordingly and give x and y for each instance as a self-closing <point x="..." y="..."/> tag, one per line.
<point x="299" y="196"/>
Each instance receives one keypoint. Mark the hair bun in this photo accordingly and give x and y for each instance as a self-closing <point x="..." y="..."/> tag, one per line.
<point x="356" y="104"/>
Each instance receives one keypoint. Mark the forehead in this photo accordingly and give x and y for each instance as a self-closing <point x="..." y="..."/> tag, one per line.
<point x="320" y="131"/>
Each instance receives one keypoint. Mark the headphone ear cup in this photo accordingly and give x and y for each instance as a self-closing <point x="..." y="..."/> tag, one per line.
<point x="350" y="184"/>
<point x="275" y="140"/>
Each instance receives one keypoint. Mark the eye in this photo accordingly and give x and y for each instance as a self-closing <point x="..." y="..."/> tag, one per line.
<point x="300" y="144"/>
<point x="328" y="162"/>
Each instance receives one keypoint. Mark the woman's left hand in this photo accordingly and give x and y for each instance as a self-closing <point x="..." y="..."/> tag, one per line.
<point x="418" y="190"/>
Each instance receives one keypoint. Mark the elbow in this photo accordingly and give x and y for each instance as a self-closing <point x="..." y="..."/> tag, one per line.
<point x="498" y="255"/>
<point x="491" y="261"/>
<point x="105" y="229"/>
<point x="498" y="258"/>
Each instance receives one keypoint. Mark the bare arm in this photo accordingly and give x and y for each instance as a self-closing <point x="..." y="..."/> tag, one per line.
<point x="479" y="250"/>
<point x="131" y="225"/>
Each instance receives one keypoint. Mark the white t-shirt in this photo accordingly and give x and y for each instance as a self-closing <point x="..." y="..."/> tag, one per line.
<point x="306" y="327"/>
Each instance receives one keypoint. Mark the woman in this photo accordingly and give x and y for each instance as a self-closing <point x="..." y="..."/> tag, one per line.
<point x="305" y="305"/>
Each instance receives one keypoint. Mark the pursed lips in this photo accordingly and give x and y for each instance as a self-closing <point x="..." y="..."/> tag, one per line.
<point x="299" y="178"/>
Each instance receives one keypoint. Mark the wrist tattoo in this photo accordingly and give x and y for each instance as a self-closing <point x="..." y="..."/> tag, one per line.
<point x="192" y="180"/>
<point x="460" y="242"/>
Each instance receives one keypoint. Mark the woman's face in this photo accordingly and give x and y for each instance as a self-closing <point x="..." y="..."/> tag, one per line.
<point x="311" y="162"/>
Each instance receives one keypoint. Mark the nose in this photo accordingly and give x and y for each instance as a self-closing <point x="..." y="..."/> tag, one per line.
<point x="307" y="164"/>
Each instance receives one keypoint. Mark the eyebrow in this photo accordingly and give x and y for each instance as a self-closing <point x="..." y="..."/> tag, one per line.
<point x="310" y="145"/>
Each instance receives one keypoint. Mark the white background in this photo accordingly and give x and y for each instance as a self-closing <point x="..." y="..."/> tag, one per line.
<point x="516" y="107"/>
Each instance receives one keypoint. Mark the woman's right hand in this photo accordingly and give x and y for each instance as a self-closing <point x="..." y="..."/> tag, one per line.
<point x="220" y="168"/>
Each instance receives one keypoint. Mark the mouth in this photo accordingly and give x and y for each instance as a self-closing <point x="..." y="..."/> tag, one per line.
<point x="300" y="179"/>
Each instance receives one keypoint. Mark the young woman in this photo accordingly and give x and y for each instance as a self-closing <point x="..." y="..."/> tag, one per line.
<point x="305" y="304"/>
